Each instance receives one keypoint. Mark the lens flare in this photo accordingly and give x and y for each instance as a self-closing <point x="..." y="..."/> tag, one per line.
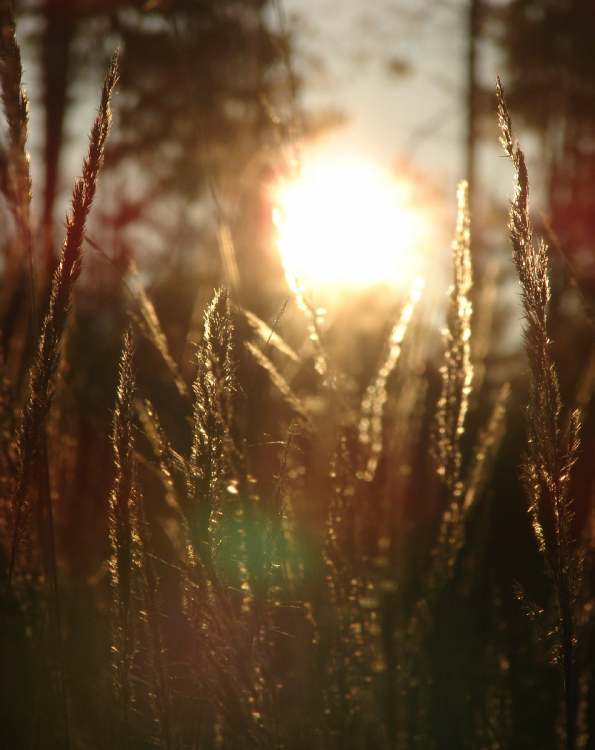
<point x="349" y="224"/>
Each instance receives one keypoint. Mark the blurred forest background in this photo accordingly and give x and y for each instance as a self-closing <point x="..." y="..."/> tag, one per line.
<point x="213" y="105"/>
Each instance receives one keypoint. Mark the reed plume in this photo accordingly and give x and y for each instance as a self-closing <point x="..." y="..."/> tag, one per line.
<point x="553" y="445"/>
<point x="457" y="371"/>
<point x="374" y="400"/>
<point x="453" y="403"/>
<point x="43" y="369"/>
<point x="213" y="391"/>
<point x="17" y="185"/>
<point x="263" y="603"/>
<point x="452" y="532"/>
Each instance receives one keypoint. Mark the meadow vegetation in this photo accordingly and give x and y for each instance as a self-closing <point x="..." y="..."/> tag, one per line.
<point x="284" y="556"/>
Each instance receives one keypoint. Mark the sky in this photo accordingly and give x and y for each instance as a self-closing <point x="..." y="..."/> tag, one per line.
<point x="413" y="120"/>
<point x="418" y="113"/>
<point x="418" y="117"/>
<point x="343" y="49"/>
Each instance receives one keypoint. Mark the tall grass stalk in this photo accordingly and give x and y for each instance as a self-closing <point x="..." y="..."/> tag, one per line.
<point x="43" y="369"/>
<point x="160" y="692"/>
<point x="453" y="403"/>
<point x="552" y="445"/>
<point x="248" y="609"/>
<point x="145" y="316"/>
<point x="213" y="390"/>
<point x="17" y="184"/>
<point x="457" y="371"/>
<point x="123" y="522"/>
<point x="376" y="395"/>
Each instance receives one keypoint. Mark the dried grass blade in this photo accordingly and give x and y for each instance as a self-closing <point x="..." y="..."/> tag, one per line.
<point x="145" y="316"/>
<point x="278" y="381"/>
<point x="269" y="336"/>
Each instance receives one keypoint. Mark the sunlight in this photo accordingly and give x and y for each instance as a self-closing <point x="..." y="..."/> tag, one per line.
<point x="347" y="223"/>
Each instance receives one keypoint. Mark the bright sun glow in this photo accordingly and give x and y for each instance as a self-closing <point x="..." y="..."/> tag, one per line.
<point x="347" y="223"/>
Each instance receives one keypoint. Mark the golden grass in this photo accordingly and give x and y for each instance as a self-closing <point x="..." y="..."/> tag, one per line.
<point x="294" y="588"/>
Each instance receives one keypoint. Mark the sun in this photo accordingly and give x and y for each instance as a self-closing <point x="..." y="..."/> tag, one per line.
<point x="347" y="223"/>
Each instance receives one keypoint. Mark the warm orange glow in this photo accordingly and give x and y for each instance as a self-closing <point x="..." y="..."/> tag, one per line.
<point x="347" y="223"/>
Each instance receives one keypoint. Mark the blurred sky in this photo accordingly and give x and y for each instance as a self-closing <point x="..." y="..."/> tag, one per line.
<point x="345" y="49"/>
<point x="418" y="116"/>
<point x="419" y="112"/>
<point x="396" y="69"/>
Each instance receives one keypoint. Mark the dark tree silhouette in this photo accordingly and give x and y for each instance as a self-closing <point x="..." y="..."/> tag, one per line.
<point x="200" y="80"/>
<point x="548" y="47"/>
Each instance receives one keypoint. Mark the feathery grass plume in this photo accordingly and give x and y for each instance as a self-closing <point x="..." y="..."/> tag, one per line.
<point x="213" y="389"/>
<point x="227" y="537"/>
<point x="278" y="381"/>
<point x="464" y="486"/>
<point x="552" y="446"/>
<point x="44" y="367"/>
<point x="451" y="536"/>
<point x="374" y="400"/>
<point x="123" y="522"/>
<point x="17" y="185"/>
<point x="216" y="492"/>
<point x="457" y="371"/>
<point x="449" y="424"/>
